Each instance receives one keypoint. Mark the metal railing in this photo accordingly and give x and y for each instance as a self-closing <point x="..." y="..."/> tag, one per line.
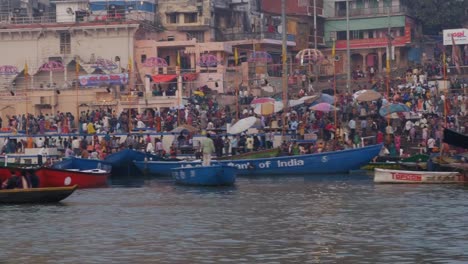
<point x="253" y="35"/>
<point x="371" y="11"/>
<point x="52" y="18"/>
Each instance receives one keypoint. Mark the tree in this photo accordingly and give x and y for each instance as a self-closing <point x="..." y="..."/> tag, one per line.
<point x="437" y="15"/>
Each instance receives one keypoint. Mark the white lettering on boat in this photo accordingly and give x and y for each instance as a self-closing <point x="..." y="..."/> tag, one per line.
<point x="290" y="163"/>
<point x="268" y="164"/>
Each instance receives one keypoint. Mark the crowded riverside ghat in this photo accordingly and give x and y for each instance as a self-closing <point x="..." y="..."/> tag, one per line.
<point x="234" y="131"/>
<point x="417" y="127"/>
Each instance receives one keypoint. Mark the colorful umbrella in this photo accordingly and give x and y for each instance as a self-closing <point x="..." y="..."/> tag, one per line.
<point x="388" y="109"/>
<point x="326" y="98"/>
<point x="188" y="128"/>
<point x="367" y="95"/>
<point x="303" y="100"/>
<point x="242" y="125"/>
<point x="323" y="107"/>
<point x="268" y="108"/>
<point x="261" y="100"/>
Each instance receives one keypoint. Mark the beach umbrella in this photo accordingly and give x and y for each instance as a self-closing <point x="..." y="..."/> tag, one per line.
<point x="388" y="109"/>
<point x="303" y="100"/>
<point x="323" y="107"/>
<point x="367" y="95"/>
<point x="181" y="128"/>
<point x="326" y="98"/>
<point x="268" y="108"/>
<point x="262" y="100"/>
<point x="242" y="125"/>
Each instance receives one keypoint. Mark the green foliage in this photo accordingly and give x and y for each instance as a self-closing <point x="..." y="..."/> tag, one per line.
<point x="437" y="15"/>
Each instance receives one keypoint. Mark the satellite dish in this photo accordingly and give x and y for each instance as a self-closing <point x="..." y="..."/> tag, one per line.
<point x="337" y="58"/>
<point x="70" y="11"/>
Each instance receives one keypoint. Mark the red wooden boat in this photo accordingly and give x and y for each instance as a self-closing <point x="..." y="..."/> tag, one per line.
<point x="49" y="177"/>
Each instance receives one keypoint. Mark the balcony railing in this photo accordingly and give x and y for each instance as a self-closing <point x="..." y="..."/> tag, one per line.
<point x="372" y="11"/>
<point x="52" y="18"/>
<point x="44" y="19"/>
<point x="253" y="35"/>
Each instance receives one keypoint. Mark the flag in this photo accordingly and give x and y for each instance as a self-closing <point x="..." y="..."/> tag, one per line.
<point x="236" y="57"/>
<point x="333" y="50"/>
<point x="26" y="70"/>
<point x="77" y="66"/>
<point x="129" y="67"/>
<point x="178" y="58"/>
<point x="444" y="63"/>
<point x="388" y="65"/>
<point x="455" y="55"/>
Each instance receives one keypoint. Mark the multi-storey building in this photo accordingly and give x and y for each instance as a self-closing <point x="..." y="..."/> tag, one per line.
<point x="369" y="24"/>
<point x="64" y="58"/>
<point x="63" y="54"/>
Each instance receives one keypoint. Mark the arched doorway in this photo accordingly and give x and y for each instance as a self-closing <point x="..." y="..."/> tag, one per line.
<point x="384" y="61"/>
<point x="372" y="61"/>
<point x="356" y="61"/>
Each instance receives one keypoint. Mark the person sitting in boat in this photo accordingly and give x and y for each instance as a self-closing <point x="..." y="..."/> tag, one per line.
<point x="15" y="182"/>
<point x="69" y="152"/>
<point x="32" y="179"/>
<point x="293" y="148"/>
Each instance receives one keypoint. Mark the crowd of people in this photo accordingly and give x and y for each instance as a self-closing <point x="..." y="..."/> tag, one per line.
<point x="432" y="109"/>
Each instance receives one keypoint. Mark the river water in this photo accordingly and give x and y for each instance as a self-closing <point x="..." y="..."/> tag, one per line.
<point x="329" y="219"/>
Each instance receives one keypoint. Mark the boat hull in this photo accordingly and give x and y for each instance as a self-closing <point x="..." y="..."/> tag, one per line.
<point x="122" y="162"/>
<point x="82" y="164"/>
<point x="36" y="195"/>
<point x="49" y="177"/>
<point x="216" y="175"/>
<point x="320" y="163"/>
<point x="402" y="176"/>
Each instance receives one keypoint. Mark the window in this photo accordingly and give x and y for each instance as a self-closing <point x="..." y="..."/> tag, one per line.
<point x="172" y="18"/>
<point x="190" y="17"/>
<point x="341" y="35"/>
<point x="401" y="31"/>
<point x="356" y="34"/>
<point x="65" y="43"/>
<point x="199" y="35"/>
<point x="143" y="58"/>
<point x="359" y="4"/>
<point x="373" y="3"/>
<point x="371" y="34"/>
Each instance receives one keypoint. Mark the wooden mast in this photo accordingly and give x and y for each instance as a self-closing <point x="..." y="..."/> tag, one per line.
<point x="284" y="65"/>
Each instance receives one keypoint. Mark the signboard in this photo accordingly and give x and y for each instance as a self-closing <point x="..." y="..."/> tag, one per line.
<point x="103" y="79"/>
<point x="460" y="36"/>
<point x="8" y="70"/>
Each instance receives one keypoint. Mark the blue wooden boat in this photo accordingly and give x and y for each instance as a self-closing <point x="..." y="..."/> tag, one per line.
<point x="215" y="175"/>
<point x="122" y="162"/>
<point x="333" y="162"/>
<point x="79" y="164"/>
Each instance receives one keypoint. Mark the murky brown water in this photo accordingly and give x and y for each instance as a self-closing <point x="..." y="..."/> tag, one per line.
<point x="337" y="219"/>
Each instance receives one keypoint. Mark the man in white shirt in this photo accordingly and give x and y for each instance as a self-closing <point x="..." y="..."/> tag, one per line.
<point x="430" y="144"/>
<point x="76" y="146"/>
<point x="352" y="127"/>
<point x="408" y="127"/>
<point x="41" y="155"/>
<point x="39" y="142"/>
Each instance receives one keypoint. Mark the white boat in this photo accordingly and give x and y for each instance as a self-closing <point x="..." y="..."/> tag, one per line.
<point x="402" y="176"/>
